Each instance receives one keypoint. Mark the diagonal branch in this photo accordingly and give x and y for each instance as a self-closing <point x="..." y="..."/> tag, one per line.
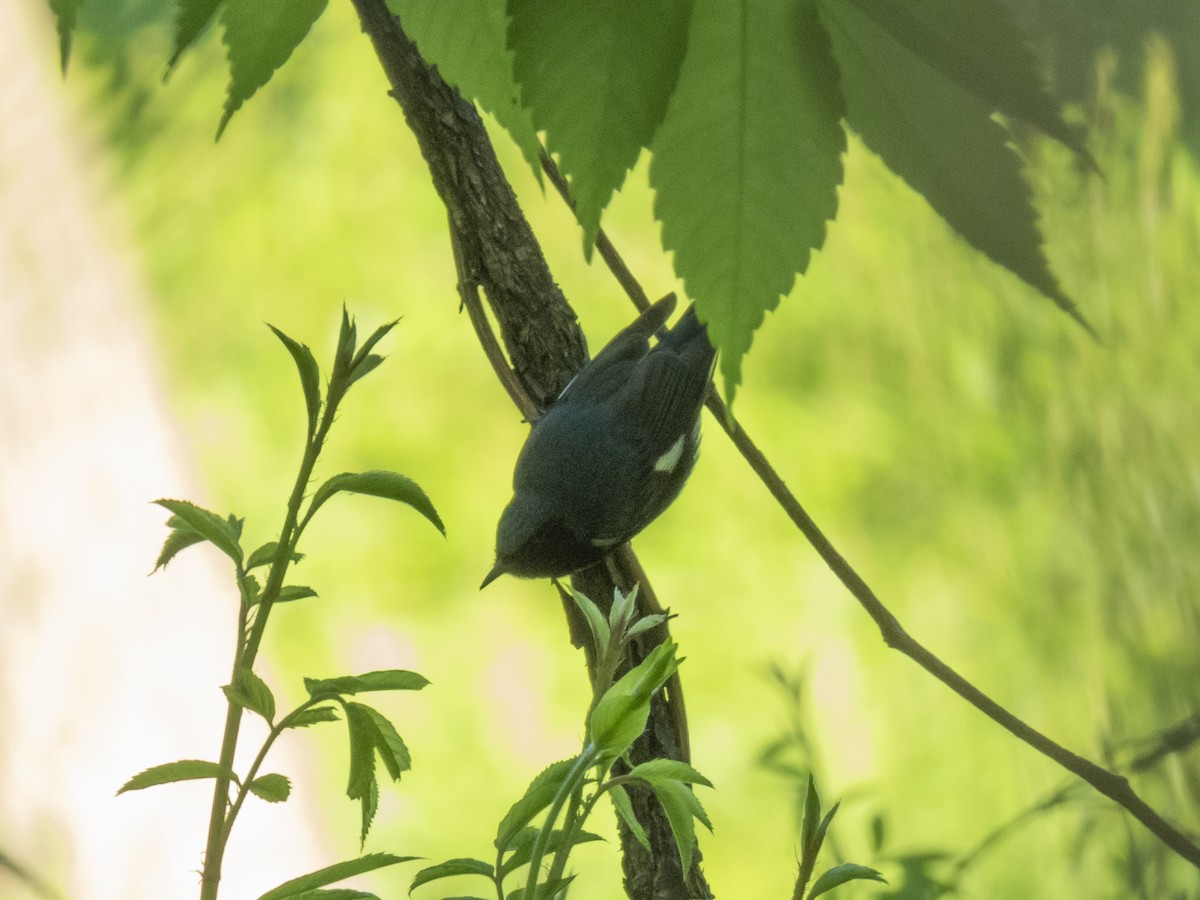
<point x="1110" y="784"/>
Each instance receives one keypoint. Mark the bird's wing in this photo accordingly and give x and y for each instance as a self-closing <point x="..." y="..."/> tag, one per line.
<point x="613" y="366"/>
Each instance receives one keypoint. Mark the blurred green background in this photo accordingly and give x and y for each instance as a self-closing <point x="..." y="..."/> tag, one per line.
<point x="1026" y="500"/>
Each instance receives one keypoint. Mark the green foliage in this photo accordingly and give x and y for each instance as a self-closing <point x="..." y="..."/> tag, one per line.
<point x="597" y="78"/>
<point x="259" y="37"/>
<point x="747" y="164"/>
<point x="941" y="138"/>
<point x="191" y="18"/>
<point x="618" y="716"/>
<point x="812" y="838"/>
<point x="182" y="770"/>
<point x="371" y="733"/>
<point x="308" y="885"/>
<point x="66" y="14"/>
<point x="741" y="102"/>
<point x="388" y="485"/>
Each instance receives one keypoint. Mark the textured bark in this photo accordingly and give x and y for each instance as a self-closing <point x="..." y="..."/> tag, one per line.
<point x="496" y="250"/>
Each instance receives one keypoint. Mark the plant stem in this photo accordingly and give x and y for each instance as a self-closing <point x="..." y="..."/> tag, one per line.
<point x="567" y="789"/>
<point x="219" y="823"/>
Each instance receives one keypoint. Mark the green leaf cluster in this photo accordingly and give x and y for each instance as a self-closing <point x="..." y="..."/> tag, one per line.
<point x="743" y="106"/>
<point x="371" y="734"/>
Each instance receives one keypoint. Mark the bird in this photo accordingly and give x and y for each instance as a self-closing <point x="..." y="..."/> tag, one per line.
<point x="611" y="452"/>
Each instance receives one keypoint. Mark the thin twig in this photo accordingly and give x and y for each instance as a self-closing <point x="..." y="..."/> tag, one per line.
<point x="1112" y="785"/>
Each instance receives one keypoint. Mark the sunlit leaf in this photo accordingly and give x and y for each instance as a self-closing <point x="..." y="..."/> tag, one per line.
<point x="624" y="808"/>
<point x="384" y="680"/>
<point x="747" y="162"/>
<point x="621" y="713"/>
<point x="191" y="17"/>
<point x="177" y="539"/>
<point x="388" y="743"/>
<point x="310" y="375"/>
<point x="682" y="808"/>
<point x="208" y="525"/>
<point x="259" y="37"/>
<point x="377" y="483"/>
<point x="656" y="770"/>
<point x="451" y="868"/>
<point x="290" y="592"/>
<point x="597" y="77"/>
<point x="537" y="797"/>
<point x="182" y="770"/>
<point x="839" y="875"/>
<point x="312" y="716"/>
<point x="290" y="890"/>
<point x="250" y="691"/>
<point x="273" y="788"/>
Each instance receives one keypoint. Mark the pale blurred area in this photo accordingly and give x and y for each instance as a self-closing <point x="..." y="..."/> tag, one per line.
<point x="103" y="671"/>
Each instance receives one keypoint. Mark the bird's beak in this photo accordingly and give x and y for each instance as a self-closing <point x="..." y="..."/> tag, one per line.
<point x="497" y="571"/>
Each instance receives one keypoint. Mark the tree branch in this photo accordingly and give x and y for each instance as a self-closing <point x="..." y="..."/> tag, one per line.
<point x="495" y="249"/>
<point x="1110" y="784"/>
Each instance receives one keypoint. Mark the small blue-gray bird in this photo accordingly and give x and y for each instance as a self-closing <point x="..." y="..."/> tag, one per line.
<point x="611" y="453"/>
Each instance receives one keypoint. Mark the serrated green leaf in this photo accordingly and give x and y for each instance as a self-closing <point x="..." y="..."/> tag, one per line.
<point x="383" y="680"/>
<point x="978" y="45"/>
<point x="386" y="740"/>
<point x="265" y="556"/>
<point x="182" y="770"/>
<point x="177" y="539"/>
<point x="681" y="807"/>
<point x="449" y="869"/>
<point x="362" y="784"/>
<point x="208" y="525"/>
<point x="335" y="894"/>
<point x="290" y="592"/>
<point x="621" y="713"/>
<point x="944" y="142"/>
<point x="595" y="619"/>
<point x="310" y="375"/>
<point x="465" y="39"/>
<point x="537" y="797"/>
<point x="66" y="13"/>
<point x="191" y="17"/>
<point x="839" y="875"/>
<point x="547" y="890"/>
<point x="663" y="769"/>
<point x="250" y="691"/>
<point x="273" y="788"/>
<point x="259" y="37"/>
<point x="294" y="889"/>
<point x="747" y="162"/>
<point x="597" y="77"/>
<point x="377" y="483"/>
<point x="624" y="808"/>
<point x="312" y="716"/>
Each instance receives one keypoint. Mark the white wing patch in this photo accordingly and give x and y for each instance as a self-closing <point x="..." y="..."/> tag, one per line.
<point x="669" y="460"/>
